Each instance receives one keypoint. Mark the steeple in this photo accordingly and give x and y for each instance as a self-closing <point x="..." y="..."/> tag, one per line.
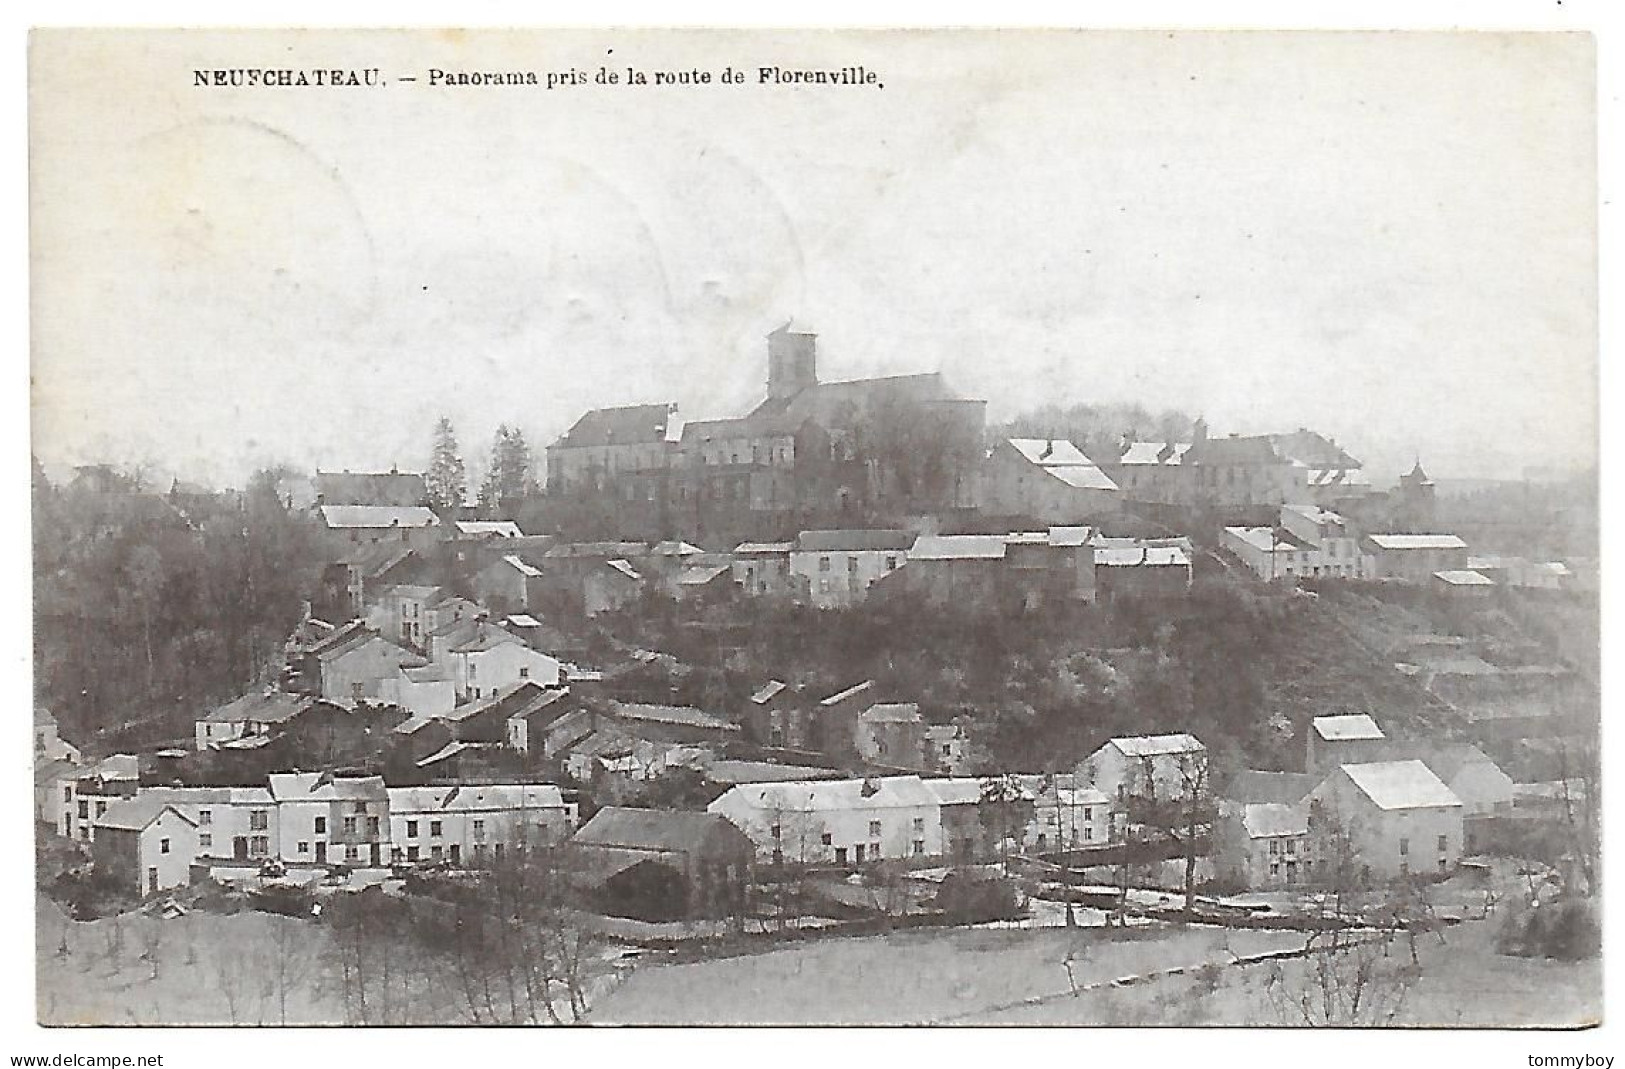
<point x="792" y="362"/>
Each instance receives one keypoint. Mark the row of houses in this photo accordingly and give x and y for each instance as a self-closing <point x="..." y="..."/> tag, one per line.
<point x="157" y="838"/>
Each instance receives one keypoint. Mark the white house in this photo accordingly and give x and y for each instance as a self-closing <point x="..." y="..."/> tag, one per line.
<point x="1265" y="844"/>
<point x="325" y="819"/>
<point x="1167" y="767"/>
<point x="472" y="824"/>
<point x="145" y="844"/>
<point x="1047" y="479"/>
<point x="841" y="822"/>
<point x="763" y="568"/>
<point x="1387" y="819"/>
<point x="412" y="526"/>
<point x="492" y="659"/>
<point x="834" y="569"/>
<point x="84" y="794"/>
<point x="1068" y="818"/>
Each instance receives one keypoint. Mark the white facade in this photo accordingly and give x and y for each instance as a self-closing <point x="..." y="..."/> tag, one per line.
<point x="1396" y="819"/>
<point x="1166" y="767"/>
<point x="1066" y="818"/>
<point x="834" y="569"/>
<point x="475" y="824"/>
<point x="480" y="673"/>
<point x="841" y="822"/>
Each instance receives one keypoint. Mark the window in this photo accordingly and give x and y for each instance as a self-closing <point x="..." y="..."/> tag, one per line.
<point x="1275" y="868"/>
<point x="304" y="847"/>
<point x="352" y="853"/>
<point x="357" y="690"/>
<point x="471" y="667"/>
<point x="259" y="845"/>
<point x="776" y="831"/>
<point x="101" y="807"/>
<point x="67" y="794"/>
<point x="258" y="820"/>
<point x="1404" y="868"/>
<point x="826" y="838"/>
<point x="359" y="807"/>
<point x="823" y="564"/>
<point x="434" y="827"/>
<point x="163" y="846"/>
<point x="874" y="829"/>
<point x="1275" y="846"/>
<point x="321" y="825"/>
<point x="840" y="855"/>
<point x="919" y="825"/>
<point x="84" y="809"/>
<point x="411" y="829"/>
<point x="205" y="816"/>
<point x="372" y="827"/>
<point x="479" y="830"/>
<point x="919" y="847"/>
<point x="349" y="825"/>
<point x="1444" y="843"/>
<point x="1088" y="834"/>
<point x="412" y="853"/>
<point x="435" y="852"/>
<point x="891" y="563"/>
<point x="1404" y="847"/>
<point x="1088" y="813"/>
<point x="851" y="564"/>
<point x="205" y="840"/>
<point x="524" y="673"/>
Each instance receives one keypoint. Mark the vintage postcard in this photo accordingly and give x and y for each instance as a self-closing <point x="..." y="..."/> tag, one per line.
<point x="885" y="527"/>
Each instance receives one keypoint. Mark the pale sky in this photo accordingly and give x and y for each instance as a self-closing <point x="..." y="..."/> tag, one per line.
<point x="1388" y="238"/>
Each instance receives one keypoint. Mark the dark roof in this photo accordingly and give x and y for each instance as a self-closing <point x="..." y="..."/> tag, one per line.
<point x="1312" y="450"/>
<point x="134" y="814"/>
<point x="619" y="426"/>
<point x="1283" y="788"/>
<point x="1255" y="449"/>
<point x="266" y="707"/>
<point x="371" y="488"/>
<point x="662" y="831"/>
<point x="510" y="701"/>
<point x="599" y="549"/>
<point x="838" y="403"/>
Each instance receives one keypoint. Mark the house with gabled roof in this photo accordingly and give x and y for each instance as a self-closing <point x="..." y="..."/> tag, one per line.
<point x="258" y="712"/>
<point x="1162" y="767"/>
<point x="393" y="488"/>
<point x="840" y="821"/>
<point x="1049" y="480"/>
<point x="145" y="844"/>
<point x="331" y="819"/>
<point x="476" y="824"/>
<point x="487" y="658"/>
<point x="891" y="734"/>
<point x="1385" y="820"/>
<point x="834" y="569"/>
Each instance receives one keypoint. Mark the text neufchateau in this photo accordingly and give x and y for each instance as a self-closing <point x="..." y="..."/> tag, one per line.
<point x="362" y="77"/>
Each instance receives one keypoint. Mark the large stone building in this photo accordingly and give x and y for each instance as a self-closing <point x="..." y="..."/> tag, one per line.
<point x="811" y="454"/>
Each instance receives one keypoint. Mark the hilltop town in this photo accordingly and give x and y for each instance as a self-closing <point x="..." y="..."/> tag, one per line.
<point x="849" y="661"/>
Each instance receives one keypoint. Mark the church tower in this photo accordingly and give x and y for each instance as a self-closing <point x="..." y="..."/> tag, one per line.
<point x="792" y="362"/>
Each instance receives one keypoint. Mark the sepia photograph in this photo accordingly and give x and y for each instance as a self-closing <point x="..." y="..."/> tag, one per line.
<point x="860" y="527"/>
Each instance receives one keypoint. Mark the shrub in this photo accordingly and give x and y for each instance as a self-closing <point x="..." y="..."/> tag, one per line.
<point x="1565" y="930"/>
<point x="972" y="899"/>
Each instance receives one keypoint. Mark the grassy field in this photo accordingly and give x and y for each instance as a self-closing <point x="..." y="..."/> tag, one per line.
<point x="920" y="976"/>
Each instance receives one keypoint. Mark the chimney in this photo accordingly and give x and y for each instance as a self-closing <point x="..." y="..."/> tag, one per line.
<point x="1199" y="430"/>
<point x="1049" y="449"/>
<point x="870" y="788"/>
<point x="792" y="362"/>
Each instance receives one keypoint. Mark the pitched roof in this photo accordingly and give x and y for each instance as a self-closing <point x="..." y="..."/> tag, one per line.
<point x="265" y="707"/>
<point x="852" y="541"/>
<point x="1347" y="728"/>
<point x="515" y="699"/>
<point x="489" y="528"/>
<point x="763" y="548"/>
<point x="1463" y="577"/>
<point x="1165" y="453"/>
<point x="1253" y="450"/>
<point x="1049" y="452"/>
<point x="891" y="713"/>
<point x="1142" y="557"/>
<point x="1285" y="788"/>
<point x="735" y="772"/>
<point x="378" y="516"/>
<point x="883" y="792"/>
<point x="768" y="691"/>
<point x="837" y="404"/>
<point x="958" y="547"/>
<point x="671" y="714"/>
<point x="674" y="548"/>
<point x="1312" y="450"/>
<point x="325" y="787"/>
<point x="1158" y="745"/>
<point x="452" y="749"/>
<point x="134" y="814"/>
<point x="658" y="830"/>
<point x="1400" y="785"/>
<point x="1272" y="819"/>
<point x="626" y="425"/>
<point x="371" y="488"/>
<point x="474" y="797"/>
<point x="624" y="568"/>
<point x="849" y="692"/>
<point x="1082" y="477"/>
<point x="701" y="576"/>
<point x="968" y="790"/>
<point x="487" y="636"/>
<point x="1417" y="541"/>
<point x="1314" y="513"/>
